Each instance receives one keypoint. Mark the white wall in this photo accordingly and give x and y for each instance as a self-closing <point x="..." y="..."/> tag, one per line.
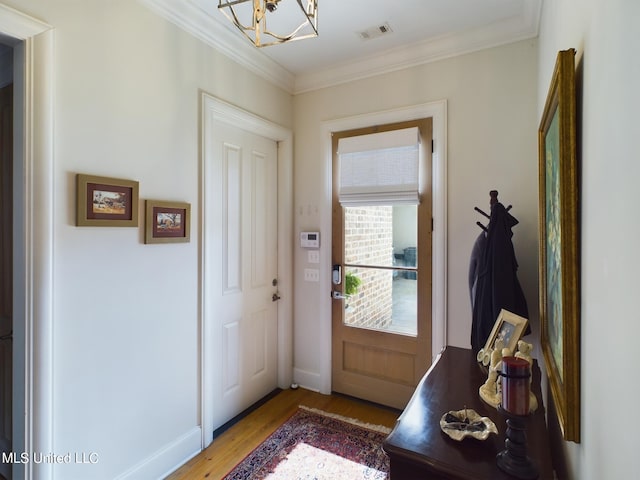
<point x="605" y="35"/>
<point x="492" y="144"/>
<point x="125" y="321"/>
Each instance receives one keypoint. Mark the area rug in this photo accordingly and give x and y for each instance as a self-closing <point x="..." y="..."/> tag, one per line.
<point x="317" y="445"/>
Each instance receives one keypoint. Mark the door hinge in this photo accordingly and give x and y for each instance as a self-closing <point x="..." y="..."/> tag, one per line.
<point x="432" y="146"/>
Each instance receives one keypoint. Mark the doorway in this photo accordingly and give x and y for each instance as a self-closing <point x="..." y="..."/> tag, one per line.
<point x="382" y="250"/>
<point x="6" y="275"/>
<point x="32" y="428"/>
<point x="246" y="197"/>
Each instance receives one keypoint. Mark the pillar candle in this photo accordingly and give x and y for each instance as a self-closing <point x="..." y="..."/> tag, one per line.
<point x="515" y="385"/>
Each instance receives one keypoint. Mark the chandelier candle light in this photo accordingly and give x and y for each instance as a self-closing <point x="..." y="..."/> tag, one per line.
<point x="295" y="20"/>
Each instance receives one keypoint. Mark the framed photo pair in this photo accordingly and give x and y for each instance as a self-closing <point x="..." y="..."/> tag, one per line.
<point x="113" y="202"/>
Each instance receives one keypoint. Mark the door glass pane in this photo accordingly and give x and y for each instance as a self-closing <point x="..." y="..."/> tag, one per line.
<point x="380" y="268"/>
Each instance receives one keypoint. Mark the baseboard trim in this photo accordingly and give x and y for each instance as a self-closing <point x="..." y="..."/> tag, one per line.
<point x="168" y="458"/>
<point x="220" y="430"/>
<point x="308" y="380"/>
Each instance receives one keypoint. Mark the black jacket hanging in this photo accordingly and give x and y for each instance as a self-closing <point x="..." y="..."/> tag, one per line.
<point x="474" y="265"/>
<point x="496" y="286"/>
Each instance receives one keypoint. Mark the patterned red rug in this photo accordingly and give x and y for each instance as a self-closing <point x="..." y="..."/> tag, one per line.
<point x="318" y="445"/>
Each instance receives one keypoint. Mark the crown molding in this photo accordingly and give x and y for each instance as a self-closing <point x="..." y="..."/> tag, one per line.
<point x="218" y="35"/>
<point x="16" y="26"/>
<point x="214" y="33"/>
<point x="499" y="33"/>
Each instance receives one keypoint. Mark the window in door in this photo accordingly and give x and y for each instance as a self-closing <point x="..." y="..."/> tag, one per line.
<point x="380" y="267"/>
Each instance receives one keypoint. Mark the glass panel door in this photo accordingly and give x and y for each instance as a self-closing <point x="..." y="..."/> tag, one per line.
<point x="381" y="307"/>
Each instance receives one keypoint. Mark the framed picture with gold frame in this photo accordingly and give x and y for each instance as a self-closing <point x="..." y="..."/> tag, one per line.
<point x="167" y="222"/>
<point x="508" y="328"/>
<point x="106" y="202"/>
<point x="559" y="245"/>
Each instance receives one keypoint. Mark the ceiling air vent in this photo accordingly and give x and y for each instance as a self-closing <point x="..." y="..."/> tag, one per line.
<point x="375" y="32"/>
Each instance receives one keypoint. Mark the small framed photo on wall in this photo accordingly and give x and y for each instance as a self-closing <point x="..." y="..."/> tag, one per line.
<point x="167" y="222"/>
<point x="106" y="202"/>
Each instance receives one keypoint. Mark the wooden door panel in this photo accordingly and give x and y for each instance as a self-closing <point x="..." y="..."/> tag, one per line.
<point x="376" y="362"/>
<point x="369" y="363"/>
<point x="374" y="389"/>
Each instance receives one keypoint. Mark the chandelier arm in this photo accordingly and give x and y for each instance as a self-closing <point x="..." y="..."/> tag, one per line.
<point x="259" y="21"/>
<point x="234" y="19"/>
<point x="284" y="38"/>
<point x="309" y="16"/>
<point x="312" y="19"/>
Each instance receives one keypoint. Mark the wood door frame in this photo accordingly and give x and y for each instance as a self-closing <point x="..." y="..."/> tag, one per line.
<point x="214" y="109"/>
<point x="438" y="111"/>
<point x="32" y="41"/>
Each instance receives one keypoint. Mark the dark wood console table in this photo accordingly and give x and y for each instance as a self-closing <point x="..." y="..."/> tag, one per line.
<point x="419" y="450"/>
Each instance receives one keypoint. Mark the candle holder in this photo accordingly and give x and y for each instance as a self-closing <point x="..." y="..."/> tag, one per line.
<point x="514" y="459"/>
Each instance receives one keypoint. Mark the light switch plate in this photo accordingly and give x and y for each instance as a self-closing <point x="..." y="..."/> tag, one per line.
<point x="311" y="275"/>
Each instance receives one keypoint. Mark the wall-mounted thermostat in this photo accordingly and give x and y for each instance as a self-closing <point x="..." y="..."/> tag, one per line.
<point x="310" y="239"/>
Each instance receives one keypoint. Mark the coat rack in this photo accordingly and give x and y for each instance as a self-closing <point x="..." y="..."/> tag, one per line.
<point x="493" y="282"/>
<point x="493" y="194"/>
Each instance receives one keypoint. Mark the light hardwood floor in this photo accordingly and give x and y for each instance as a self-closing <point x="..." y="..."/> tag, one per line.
<point x="239" y="440"/>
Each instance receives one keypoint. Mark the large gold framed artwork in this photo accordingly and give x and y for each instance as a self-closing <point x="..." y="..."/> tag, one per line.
<point x="560" y="245"/>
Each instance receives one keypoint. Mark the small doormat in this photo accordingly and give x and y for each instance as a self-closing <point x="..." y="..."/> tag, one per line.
<point x="318" y="445"/>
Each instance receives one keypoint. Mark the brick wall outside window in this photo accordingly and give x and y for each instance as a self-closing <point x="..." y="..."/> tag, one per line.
<point x="369" y="241"/>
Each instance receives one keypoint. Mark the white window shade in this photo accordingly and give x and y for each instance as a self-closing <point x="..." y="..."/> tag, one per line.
<point x="380" y="168"/>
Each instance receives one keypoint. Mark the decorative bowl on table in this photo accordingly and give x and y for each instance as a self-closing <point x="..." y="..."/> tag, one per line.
<point x="460" y="424"/>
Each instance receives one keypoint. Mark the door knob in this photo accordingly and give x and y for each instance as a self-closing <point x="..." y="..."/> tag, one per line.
<point x="338" y="295"/>
<point x="275" y="297"/>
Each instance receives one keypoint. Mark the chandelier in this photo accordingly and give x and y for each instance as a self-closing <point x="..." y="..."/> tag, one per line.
<point x="296" y="19"/>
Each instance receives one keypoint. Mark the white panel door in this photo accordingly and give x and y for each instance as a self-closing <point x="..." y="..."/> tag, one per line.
<point x="241" y="262"/>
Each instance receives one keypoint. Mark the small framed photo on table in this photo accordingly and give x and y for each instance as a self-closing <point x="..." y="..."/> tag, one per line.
<point x="508" y="328"/>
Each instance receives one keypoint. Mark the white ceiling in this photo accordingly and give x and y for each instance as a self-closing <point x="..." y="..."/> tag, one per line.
<point x="423" y="31"/>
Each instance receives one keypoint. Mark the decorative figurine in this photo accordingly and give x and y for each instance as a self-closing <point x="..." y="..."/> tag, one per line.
<point x="524" y="352"/>
<point x="490" y="390"/>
